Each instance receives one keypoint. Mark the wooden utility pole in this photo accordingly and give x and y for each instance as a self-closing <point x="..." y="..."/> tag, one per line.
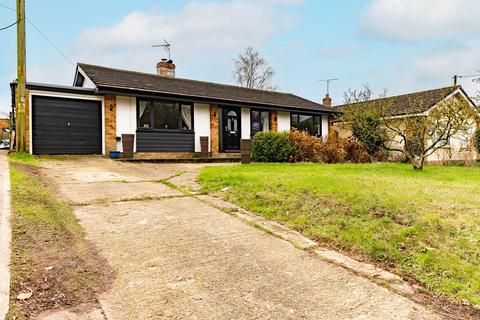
<point x="21" y="77"/>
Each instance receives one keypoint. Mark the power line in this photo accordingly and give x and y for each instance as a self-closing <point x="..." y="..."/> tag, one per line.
<point x="42" y="34"/>
<point x="9" y="26"/>
<point x="51" y="42"/>
<point x="7" y="7"/>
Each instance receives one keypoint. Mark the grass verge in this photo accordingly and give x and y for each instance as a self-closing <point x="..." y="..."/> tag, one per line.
<point x="422" y="225"/>
<point x="50" y="257"/>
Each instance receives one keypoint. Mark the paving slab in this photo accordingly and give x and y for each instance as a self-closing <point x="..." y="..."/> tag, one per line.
<point x="96" y="169"/>
<point x="115" y="191"/>
<point x="183" y="259"/>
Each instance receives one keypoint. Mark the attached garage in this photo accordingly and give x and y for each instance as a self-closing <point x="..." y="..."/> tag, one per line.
<point x="66" y="126"/>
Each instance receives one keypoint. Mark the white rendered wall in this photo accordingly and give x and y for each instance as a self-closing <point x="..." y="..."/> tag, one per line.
<point x="325" y="127"/>
<point x="126" y="118"/>
<point x="245" y="123"/>
<point x="283" y="121"/>
<point x="201" y="124"/>
<point x="459" y="148"/>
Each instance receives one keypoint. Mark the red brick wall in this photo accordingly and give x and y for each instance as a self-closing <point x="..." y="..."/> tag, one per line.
<point x="273" y="121"/>
<point x="110" y="112"/>
<point x="214" y="143"/>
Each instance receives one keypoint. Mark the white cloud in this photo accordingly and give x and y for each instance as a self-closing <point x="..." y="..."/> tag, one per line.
<point x="342" y="52"/>
<point x="198" y="32"/>
<point x="460" y="60"/>
<point x="433" y="68"/>
<point x="419" y="19"/>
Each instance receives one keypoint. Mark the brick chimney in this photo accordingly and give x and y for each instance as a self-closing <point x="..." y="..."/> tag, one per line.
<point x="327" y="101"/>
<point x="166" y="68"/>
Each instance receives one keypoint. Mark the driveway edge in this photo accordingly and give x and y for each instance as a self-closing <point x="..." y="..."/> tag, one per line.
<point x="375" y="274"/>
<point x="5" y="236"/>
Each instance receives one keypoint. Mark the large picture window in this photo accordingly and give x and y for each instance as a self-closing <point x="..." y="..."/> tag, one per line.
<point x="313" y="124"/>
<point x="260" y="121"/>
<point x="156" y="114"/>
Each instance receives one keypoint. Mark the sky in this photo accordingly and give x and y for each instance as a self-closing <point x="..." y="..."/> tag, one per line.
<point x="398" y="45"/>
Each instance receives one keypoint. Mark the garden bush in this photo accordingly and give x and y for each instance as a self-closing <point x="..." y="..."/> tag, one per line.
<point x="332" y="151"/>
<point x="300" y="146"/>
<point x="305" y="147"/>
<point x="356" y="152"/>
<point x="366" y="128"/>
<point x="271" y="146"/>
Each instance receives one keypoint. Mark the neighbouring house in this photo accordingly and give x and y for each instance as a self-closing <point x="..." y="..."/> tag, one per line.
<point x="4" y="126"/>
<point x="166" y="115"/>
<point x="458" y="148"/>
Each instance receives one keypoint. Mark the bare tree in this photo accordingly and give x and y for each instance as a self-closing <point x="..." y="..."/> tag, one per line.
<point x="423" y="134"/>
<point x="361" y="95"/>
<point x="417" y="135"/>
<point x="477" y="96"/>
<point x="252" y="71"/>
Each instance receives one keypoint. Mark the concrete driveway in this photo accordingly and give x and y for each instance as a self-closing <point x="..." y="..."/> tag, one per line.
<point x="177" y="257"/>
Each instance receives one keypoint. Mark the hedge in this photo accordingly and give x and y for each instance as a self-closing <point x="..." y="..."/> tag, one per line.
<point x="271" y="146"/>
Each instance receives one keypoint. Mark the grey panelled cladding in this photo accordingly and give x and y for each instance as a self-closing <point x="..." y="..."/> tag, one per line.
<point x="66" y="126"/>
<point x="163" y="141"/>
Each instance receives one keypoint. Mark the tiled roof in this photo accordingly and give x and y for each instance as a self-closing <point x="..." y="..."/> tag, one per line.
<point x="411" y="103"/>
<point x="104" y="77"/>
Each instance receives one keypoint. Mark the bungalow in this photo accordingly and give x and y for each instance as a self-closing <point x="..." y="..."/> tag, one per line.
<point x="166" y="115"/>
<point x="420" y="104"/>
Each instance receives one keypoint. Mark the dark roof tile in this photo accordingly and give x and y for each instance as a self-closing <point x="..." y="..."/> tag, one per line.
<point x="416" y="102"/>
<point x="138" y="81"/>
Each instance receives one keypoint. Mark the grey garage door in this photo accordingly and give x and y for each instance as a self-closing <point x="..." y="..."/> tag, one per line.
<point x="66" y="126"/>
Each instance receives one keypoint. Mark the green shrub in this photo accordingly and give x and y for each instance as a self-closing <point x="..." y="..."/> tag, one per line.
<point x="477" y="139"/>
<point x="366" y="128"/>
<point x="271" y="147"/>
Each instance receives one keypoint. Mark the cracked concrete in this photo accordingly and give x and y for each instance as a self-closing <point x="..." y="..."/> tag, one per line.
<point x="182" y="258"/>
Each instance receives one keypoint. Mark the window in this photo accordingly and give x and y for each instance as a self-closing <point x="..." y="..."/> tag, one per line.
<point x="232" y="122"/>
<point x="156" y="114"/>
<point x="144" y="112"/>
<point x="260" y="121"/>
<point x="440" y="135"/>
<point x="313" y="124"/>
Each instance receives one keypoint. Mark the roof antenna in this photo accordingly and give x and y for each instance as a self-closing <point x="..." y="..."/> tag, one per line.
<point x="165" y="46"/>
<point x="456" y="77"/>
<point x="327" y="81"/>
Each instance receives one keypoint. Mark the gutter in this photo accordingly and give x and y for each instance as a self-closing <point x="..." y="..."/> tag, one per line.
<point x="204" y="99"/>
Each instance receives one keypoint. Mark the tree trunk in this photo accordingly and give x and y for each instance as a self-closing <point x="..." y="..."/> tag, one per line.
<point x="418" y="162"/>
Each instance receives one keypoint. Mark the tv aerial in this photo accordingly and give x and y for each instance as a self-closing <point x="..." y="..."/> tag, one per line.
<point x="327" y="81"/>
<point x="456" y="77"/>
<point x="166" y="47"/>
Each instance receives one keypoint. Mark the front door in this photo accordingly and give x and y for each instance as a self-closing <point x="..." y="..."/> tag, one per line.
<point x="231" y="128"/>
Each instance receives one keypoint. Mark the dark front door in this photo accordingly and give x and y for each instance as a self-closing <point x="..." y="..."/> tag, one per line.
<point x="231" y="128"/>
<point x="66" y="126"/>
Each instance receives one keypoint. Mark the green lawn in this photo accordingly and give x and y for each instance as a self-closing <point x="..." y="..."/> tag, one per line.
<point x="422" y="224"/>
